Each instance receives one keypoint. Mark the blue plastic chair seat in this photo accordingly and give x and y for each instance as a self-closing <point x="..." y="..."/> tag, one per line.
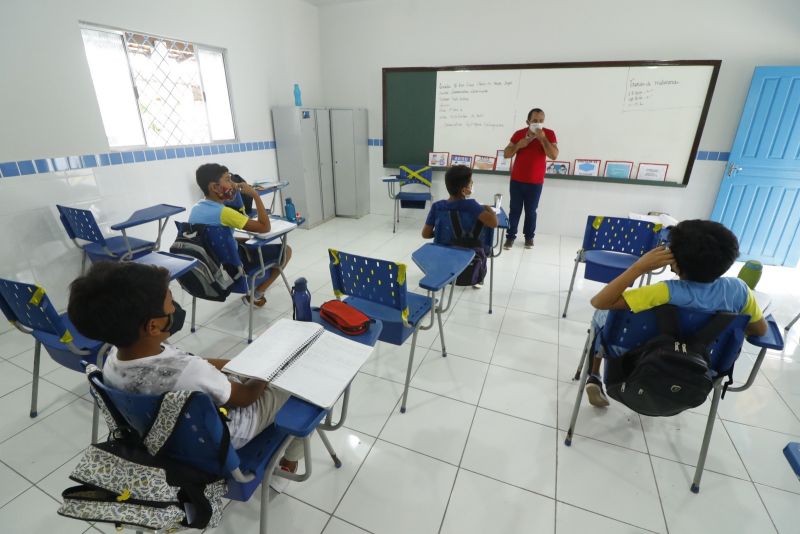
<point x="197" y="436"/>
<point x="61" y="353"/>
<point x="408" y="195"/>
<point x="413" y="200"/>
<point x="394" y="331"/>
<point x="605" y="265"/>
<point x="119" y="247"/>
<point x="296" y="417"/>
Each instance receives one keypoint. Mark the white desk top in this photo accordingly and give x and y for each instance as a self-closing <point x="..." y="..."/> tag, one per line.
<point x="278" y="227"/>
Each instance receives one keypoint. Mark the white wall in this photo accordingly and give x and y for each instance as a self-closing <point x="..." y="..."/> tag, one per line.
<point x="49" y="110"/>
<point x="359" y="39"/>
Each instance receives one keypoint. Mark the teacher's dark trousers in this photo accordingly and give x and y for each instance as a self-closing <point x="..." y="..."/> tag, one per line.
<point x="523" y="196"/>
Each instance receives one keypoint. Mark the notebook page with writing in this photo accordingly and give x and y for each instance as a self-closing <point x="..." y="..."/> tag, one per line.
<point x="273" y="349"/>
<point x="323" y="371"/>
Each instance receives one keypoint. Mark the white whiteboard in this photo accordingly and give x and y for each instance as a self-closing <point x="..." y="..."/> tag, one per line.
<point x="641" y="114"/>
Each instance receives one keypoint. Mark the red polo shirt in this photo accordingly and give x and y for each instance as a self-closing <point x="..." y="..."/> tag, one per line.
<point x="530" y="162"/>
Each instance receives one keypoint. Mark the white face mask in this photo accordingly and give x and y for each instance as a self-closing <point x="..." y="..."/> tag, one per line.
<point x="536" y="126"/>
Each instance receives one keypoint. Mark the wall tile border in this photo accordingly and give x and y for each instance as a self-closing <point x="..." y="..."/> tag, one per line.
<point x="10" y="169"/>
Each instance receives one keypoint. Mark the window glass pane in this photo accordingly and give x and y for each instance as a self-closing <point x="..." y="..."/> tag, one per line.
<point x="108" y="66"/>
<point x="167" y="77"/>
<point x="212" y="69"/>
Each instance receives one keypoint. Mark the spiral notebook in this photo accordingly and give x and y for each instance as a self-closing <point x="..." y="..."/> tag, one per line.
<point x="303" y="359"/>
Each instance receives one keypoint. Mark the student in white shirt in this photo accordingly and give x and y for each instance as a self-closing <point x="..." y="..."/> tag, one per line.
<point x="130" y="306"/>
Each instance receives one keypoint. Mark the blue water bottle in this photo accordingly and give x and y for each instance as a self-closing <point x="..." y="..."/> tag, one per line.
<point x="288" y="210"/>
<point x="298" y="100"/>
<point x="301" y="300"/>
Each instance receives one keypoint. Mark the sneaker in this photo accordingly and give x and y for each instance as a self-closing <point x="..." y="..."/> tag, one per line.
<point x="477" y="286"/>
<point x="529" y="243"/>
<point x="509" y="243"/>
<point x="258" y="303"/>
<point x="594" y="390"/>
<point x="279" y="484"/>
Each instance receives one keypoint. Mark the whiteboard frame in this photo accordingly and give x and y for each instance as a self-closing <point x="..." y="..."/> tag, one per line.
<point x="714" y="63"/>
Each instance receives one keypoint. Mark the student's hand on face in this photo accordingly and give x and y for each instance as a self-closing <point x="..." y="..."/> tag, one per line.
<point x="247" y="189"/>
<point x="655" y="259"/>
<point x="525" y="141"/>
<point x="538" y="133"/>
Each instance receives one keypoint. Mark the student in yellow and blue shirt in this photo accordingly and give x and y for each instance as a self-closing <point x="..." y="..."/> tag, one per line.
<point x="215" y="182"/>
<point x="699" y="252"/>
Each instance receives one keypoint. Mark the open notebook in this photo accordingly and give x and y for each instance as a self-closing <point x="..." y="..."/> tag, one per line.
<point x="302" y="359"/>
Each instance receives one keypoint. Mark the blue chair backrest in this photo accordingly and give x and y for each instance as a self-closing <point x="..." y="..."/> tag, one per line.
<point x="28" y="305"/>
<point x="80" y="224"/>
<point x="416" y="174"/>
<point x="627" y="330"/>
<point x="379" y="281"/>
<point x="443" y="233"/>
<point x="620" y="235"/>
<point x="197" y="438"/>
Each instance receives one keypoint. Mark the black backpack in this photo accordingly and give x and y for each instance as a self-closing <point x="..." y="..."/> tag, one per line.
<point x="208" y="279"/>
<point x="475" y="272"/>
<point x="670" y="373"/>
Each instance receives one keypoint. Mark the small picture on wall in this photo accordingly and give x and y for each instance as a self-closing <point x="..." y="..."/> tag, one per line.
<point x="438" y="159"/>
<point x="501" y="163"/>
<point x="557" y="167"/>
<point x="460" y="159"/>
<point x="652" y="171"/>
<point x="587" y="167"/>
<point x="483" y="163"/>
<point x="618" y="169"/>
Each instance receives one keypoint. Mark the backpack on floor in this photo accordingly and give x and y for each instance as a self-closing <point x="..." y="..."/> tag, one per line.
<point x="208" y="279"/>
<point x="475" y="272"/>
<point x="126" y="482"/>
<point x="670" y="373"/>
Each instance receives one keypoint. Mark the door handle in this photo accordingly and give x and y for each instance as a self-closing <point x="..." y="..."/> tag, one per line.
<point x="733" y="168"/>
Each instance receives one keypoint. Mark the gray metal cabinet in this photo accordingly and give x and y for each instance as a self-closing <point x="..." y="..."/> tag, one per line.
<point x="303" y="138"/>
<point x="323" y="155"/>
<point x="350" y="161"/>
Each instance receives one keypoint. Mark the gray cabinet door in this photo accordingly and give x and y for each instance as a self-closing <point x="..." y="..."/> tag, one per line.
<point x="325" y="164"/>
<point x="311" y="178"/>
<point x="344" y="170"/>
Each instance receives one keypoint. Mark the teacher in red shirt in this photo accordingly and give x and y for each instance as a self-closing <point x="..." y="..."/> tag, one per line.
<point x="532" y="146"/>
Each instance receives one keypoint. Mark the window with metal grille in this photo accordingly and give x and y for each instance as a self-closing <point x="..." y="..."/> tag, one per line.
<point x="158" y="92"/>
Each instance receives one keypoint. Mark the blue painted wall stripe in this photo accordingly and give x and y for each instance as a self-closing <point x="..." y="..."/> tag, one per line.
<point x="88" y="161"/>
<point x="63" y="163"/>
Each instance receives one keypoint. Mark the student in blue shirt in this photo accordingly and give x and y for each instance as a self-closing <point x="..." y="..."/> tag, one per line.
<point x="215" y="182"/>
<point x="458" y="180"/>
<point x="699" y="252"/>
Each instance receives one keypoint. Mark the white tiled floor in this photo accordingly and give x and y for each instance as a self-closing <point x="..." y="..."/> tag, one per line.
<point x="481" y="446"/>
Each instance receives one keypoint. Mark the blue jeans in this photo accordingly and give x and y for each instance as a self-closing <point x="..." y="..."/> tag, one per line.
<point x="523" y="196"/>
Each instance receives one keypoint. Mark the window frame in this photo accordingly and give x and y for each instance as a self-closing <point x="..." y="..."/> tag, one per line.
<point x="223" y="52"/>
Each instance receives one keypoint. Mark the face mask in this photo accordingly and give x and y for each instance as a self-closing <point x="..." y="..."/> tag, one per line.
<point x="536" y="126"/>
<point x="227" y="194"/>
<point x="176" y="320"/>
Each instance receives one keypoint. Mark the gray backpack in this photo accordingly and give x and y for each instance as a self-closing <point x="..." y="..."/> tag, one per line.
<point x="208" y="279"/>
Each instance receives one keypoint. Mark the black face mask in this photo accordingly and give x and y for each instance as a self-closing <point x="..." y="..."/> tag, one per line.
<point x="176" y="320"/>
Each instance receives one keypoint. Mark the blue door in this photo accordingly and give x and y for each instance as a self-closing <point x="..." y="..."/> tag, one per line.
<point x="759" y="197"/>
